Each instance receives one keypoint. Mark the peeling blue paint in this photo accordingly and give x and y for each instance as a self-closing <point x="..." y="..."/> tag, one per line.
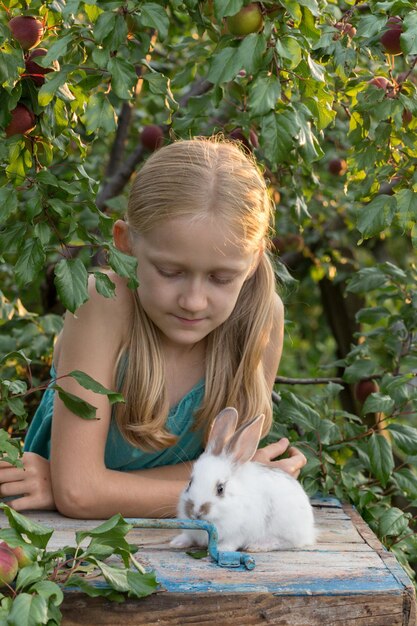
<point x="222" y="558"/>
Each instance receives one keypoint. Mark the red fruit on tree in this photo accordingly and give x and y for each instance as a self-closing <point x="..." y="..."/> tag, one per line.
<point x="8" y="566"/>
<point x="248" y="20"/>
<point x="345" y="28"/>
<point x="152" y="137"/>
<point x="27" y="30"/>
<point x="337" y="166"/>
<point x="380" y="81"/>
<point x="407" y="117"/>
<point x="390" y="39"/>
<point x="237" y="134"/>
<point x="364" y="388"/>
<point x="22" y="557"/>
<point x="36" y="71"/>
<point x="22" y="122"/>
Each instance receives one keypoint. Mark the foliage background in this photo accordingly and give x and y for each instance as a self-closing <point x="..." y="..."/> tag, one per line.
<point x="344" y="246"/>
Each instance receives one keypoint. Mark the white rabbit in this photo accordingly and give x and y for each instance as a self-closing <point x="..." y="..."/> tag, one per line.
<point x="253" y="506"/>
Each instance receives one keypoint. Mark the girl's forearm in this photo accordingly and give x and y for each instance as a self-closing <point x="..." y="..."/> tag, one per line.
<point x="142" y="493"/>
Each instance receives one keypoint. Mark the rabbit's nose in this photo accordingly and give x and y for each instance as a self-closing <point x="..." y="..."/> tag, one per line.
<point x="202" y="511"/>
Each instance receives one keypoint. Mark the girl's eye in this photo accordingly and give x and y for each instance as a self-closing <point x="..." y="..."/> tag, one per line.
<point x="221" y="281"/>
<point x="167" y="273"/>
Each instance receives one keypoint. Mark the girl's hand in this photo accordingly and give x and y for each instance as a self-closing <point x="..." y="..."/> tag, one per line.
<point x="31" y="484"/>
<point x="292" y="465"/>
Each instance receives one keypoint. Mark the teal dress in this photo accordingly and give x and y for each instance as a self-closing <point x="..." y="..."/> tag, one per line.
<point x="119" y="454"/>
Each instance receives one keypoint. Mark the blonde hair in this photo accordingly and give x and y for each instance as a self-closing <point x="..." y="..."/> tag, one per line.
<point x="192" y="178"/>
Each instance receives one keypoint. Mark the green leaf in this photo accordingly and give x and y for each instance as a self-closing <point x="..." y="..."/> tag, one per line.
<point x="378" y="403"/>
<point x="367" y="279"/>
<point x="406" y="207"/>
<point x="8" y="202"/>
<point x="155" y="16"/>
<point x="104" y="25"/>
<point x="99" y="114"/>
<point x="28" y="610"/>
<point x="115" y="576"/>
<point x="278" y="132"/>
<point x="71" y="279"/>
<point x="409" y="37"/>
<point x="371" y="315"/>
<point x="289" y="48"/>
<point x="251" y="51"/>
<point x="376" y="216"/>
<point x="76" y="405"/>
<point x="224" y="66"/>
<point x="123" y="77"/>
<point x="362" y="368"/>
<point x="30" y="261"/>
<point x="54" y="81"/>
<point x="405" y="437"/>
<point x="104" y="285"/>
<point x="381" y="458"/>
<point x="124" y="265"/>
<point x="38" y="534"/>
<point x="115" y="527"/>
<point x="300" y="412"/>
<point x="141" y="585"/>
<point x="392" y="522"/>
<point x="29" y="575"/>
<point x="224" y="8"/>
<point x="264" y="92"/>
<point x="57" y="49"/>
<point x="89" y="383"/>
<point x="50" y="591"/>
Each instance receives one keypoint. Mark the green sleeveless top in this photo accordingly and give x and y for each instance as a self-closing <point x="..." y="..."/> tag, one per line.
<point x="119" y="454"/>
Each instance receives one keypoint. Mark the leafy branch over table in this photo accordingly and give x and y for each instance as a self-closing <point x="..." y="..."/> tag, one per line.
<point x="36" y="593"/>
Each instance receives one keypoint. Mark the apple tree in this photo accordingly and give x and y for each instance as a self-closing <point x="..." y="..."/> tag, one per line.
<point x="324" y="93"/>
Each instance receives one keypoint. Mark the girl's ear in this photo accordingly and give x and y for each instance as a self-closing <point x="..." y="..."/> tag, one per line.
<point x="121" y="236"/>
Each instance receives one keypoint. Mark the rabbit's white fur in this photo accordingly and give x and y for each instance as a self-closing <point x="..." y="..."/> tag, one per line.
<point x="253" y="506"/>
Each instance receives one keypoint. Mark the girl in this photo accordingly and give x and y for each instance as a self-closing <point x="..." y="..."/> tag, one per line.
<point x="203" y="331"/>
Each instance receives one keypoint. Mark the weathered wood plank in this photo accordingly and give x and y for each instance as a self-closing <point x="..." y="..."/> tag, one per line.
<point x="347" y="578"/>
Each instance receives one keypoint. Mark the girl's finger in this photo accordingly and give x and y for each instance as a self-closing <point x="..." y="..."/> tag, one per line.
<point x="12" y="489"/>
<point x="296" y="455"/>
<point x="11" y="474"/>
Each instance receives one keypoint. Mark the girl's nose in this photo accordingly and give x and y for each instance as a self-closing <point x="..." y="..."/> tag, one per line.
<point x="193" y="297"/>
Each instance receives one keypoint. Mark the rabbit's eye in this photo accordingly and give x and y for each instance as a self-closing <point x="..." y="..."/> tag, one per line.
<point x="220" y="488"/>
<point x="189" y="485"/>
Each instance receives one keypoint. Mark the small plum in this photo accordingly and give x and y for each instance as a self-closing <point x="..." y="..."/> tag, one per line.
<point x="390" y="39"/>
<point x="381" y="82"/>
<point x="8" y="566"/>
<point x="26" y="30"/>
<point x="36" y="71"/>
<point x="337" y="166"/>
<point x="152" y="137"/>
<point x="237" y="134"/>
<point x="364" y="388"/>
<point x="345" y="28"/>
<point x="22" y="122"/>
<point x="248" y="20"/>
<point x="21" y="555"/>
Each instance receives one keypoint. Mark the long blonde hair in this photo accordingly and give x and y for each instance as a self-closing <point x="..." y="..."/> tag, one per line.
<point x="192" y="178"/>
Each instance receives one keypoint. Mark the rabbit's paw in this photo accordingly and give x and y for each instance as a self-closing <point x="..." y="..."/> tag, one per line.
<point x="183" y="540"/>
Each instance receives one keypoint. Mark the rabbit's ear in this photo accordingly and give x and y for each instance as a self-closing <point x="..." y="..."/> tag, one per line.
<point x="222" y="428"/>
<point x="244" y="443"/>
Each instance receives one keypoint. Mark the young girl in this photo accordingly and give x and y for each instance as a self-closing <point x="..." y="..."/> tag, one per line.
<point x="203" y="331"/>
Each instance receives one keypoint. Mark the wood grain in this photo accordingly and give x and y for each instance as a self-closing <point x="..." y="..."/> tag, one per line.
<point x="346" y="579"/>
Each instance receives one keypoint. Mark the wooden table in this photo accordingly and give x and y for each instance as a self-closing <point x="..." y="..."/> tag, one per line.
<point x="347" y="579"/>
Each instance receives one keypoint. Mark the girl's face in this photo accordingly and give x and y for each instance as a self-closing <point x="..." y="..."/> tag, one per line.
<point x="190" y="276"/>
